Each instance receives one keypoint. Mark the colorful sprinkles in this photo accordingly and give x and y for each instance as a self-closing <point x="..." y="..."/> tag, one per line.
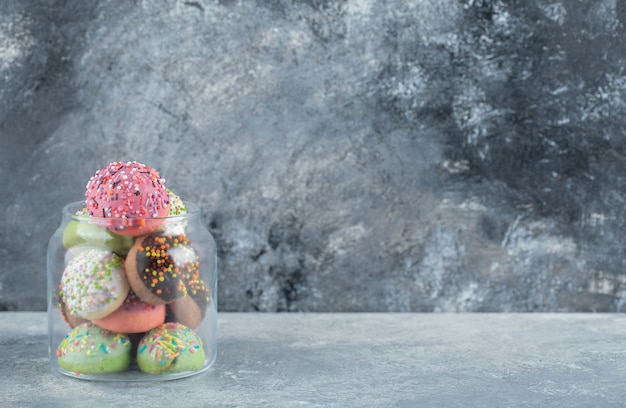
<point x="165" y="262"/>
<point x="177" y="206"/>
<point x="163" y="345"/>
<point x="93" y="342"/>
<point x="93" y="283"/>
<point x="199" y="292"/>
<point x="127" y="190"/>
<point x="170" y="348"/>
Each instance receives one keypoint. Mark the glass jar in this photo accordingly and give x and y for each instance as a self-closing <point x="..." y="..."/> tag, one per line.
<point x="132" y="299"/>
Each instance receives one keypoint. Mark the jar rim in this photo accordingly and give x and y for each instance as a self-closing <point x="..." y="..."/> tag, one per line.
<point x="71" y="210"/>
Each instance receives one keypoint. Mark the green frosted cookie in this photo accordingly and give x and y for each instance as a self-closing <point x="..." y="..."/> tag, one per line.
<point x="77" y="233"/>
<point x="170" y="348"/>
<point x="89" y="349"/>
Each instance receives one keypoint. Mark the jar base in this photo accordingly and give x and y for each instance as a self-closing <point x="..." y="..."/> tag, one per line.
<point x="133" y="374"/>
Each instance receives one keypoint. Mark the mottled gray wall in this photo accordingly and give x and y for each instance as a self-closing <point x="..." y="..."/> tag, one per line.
<point x="422" y="155"/>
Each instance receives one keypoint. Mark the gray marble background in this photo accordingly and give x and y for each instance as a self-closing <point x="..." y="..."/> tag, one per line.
<point x="357" y="155"/>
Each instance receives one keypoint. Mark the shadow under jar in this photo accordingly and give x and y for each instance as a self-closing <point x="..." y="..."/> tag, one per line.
<point x="131" y="299"/>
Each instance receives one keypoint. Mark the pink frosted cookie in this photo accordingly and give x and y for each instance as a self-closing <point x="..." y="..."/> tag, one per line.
<point x="133" y="316"/>
<point x="94" y="283"/>
<point x="132" y="195"/>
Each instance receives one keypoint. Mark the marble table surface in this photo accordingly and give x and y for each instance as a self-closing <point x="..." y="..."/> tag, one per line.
<point x="355" y="360"/>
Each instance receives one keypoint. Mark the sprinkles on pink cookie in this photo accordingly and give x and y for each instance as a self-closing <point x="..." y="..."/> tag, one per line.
<point x="130" y="194"/>
<point x="127" y="190"/>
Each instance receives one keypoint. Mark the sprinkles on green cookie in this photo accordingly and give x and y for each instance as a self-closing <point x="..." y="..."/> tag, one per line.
<point x="171" y="348"/>
<point x="89" y="349"/>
